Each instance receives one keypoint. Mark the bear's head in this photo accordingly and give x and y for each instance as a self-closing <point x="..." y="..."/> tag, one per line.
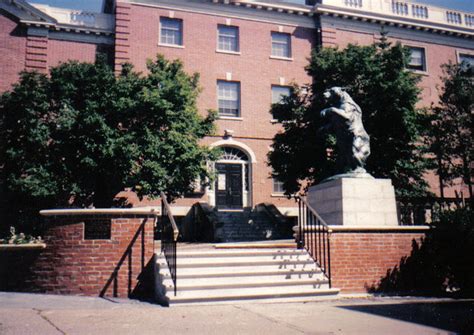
<point x="334" y="94"/>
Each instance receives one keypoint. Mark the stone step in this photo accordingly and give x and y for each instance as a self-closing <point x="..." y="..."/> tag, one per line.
<point x="254" y="281"/>
<point x="243" y="271"/>
<point x="209" y="275"/>
<point x="240" y="261"/>
<point x="228" y="295"/>
<point x="241" y="245"/>
<point x="244" y="252"/>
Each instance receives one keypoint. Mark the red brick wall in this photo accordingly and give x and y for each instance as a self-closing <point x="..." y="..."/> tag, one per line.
<point x="12" y="51"/>
<point x="72" y="265"/>
<point x="36" y="54"/>
<point x="138" y="36"/>
<point x="360" y="259"/>
<point x="61" y="51"/>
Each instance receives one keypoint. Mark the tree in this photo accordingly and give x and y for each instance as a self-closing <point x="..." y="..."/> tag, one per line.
<point x="82" y="134"/>
<point x="451" y="136"/>
<point x="376" y="77"/>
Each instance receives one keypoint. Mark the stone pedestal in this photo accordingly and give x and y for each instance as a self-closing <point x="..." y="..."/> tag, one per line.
<point x="357" y="202"/>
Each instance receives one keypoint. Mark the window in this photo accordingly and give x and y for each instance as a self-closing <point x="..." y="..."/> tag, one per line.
<point x="228" y="95"/>
<point x="417" y="59"/>
<point x="466" y="61"/>
<point x="281" y="45"/>
<point x="278" y="186"/>
<point x="171" y="31"/>
<point x="279" y="92"/>
<point x="228" y="38"/>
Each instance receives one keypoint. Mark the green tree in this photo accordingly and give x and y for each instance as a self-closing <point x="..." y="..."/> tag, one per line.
<point x="80" y="135"/>
<point x="451" y="136"/>
<point x="376" y="77"/>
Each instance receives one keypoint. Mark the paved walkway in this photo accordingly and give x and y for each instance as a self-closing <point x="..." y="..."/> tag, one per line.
<point x="46" y="314"/>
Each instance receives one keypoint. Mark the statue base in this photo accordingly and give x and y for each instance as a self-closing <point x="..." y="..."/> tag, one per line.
<point x="357" y="202"/>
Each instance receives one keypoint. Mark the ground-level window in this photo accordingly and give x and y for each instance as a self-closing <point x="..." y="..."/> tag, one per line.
<point x="228" y="38"/>
<point x="278" y="186"/>
<point x="281" y="45"/>
<point x="171" y="31"/>
<point x="417" y="59"/>
<point x="228" y="95"/>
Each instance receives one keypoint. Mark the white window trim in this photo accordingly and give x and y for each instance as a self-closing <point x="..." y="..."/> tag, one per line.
<point x="180" y="46"/>
<point x="289" y="59"/>
<point x="272" y="120"/>
<point x="290" y="46"/>
<point x="171" y="46"/>
<point x="460" y="52"/>
<point x="236" y="53"/>
<point x="422" y="72"/>
<point x="230" y="117"/>
<point x="238" y="41"/>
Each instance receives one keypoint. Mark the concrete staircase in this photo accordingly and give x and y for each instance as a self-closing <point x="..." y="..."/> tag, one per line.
<point x="217" y="275"/>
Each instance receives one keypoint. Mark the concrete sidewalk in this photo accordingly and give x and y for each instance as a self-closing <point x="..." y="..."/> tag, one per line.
<point x="47" y="314"/>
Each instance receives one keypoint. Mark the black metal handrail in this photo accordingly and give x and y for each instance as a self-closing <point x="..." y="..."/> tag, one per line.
<point x="313" y="234"/>
<point x="169" y="238"/>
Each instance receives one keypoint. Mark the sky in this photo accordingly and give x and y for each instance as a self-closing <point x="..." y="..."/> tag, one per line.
<point x="95" y="5"/>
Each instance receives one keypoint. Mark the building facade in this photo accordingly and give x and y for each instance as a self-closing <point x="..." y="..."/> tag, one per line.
<point x="247" y="53"/>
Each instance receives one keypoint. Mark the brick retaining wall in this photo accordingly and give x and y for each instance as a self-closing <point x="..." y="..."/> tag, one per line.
<point x="121" y="266"/>
<point x="361" y="258"/>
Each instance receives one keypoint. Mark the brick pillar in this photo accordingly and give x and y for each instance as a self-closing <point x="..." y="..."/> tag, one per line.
<point x="122" y="35"/>
<point x="328" y="37"/>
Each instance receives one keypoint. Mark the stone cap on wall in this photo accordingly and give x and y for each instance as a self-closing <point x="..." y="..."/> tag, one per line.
<point x="25" y="246"/>
<point x="401" y="229"/>
<point x="101" y="212"/>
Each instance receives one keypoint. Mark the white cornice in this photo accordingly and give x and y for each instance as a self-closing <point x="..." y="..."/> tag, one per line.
<point x="237" y="10"/>
<point x="392" y="20"/>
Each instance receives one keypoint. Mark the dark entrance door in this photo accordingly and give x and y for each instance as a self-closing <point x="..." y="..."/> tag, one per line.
<point x="229" y="186"/>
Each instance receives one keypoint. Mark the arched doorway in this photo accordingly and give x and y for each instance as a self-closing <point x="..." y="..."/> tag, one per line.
<point x="231" y="189"/>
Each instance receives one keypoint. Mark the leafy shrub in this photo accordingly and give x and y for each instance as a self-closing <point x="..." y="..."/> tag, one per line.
<point x="443" y="264"/>
<point x="20" y="238"/>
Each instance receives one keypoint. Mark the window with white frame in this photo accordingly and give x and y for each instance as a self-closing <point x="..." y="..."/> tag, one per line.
<point x="228" y="95"/>
<point x="228" y="38"/>
<point x="278" y="186"/>
<point x="171" y="31"/>
<point x="417" y="59"/>
<point x="466" y="61"/>
<point x="281" y="45"/>
<point x="278" y="93"/>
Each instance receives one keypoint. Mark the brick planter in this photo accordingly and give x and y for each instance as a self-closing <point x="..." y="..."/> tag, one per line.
<point x="361" y="257"/>
<point x="88" y="252"/>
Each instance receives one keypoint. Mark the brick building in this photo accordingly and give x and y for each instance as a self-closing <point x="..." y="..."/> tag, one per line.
<point x="247" y="53"/>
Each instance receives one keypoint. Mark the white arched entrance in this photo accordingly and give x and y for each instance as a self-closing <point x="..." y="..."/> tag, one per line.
<point x="232" y="188"/>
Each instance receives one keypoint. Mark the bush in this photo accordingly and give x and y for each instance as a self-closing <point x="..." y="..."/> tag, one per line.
<point x="442" y="265"/>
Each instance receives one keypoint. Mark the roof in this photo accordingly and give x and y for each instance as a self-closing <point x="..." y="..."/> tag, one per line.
<point x="25" y="12"/>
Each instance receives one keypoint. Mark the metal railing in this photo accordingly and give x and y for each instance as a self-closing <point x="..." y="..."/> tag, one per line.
<point x="169" y="238"/>
<point x="425" y="210"/>
<point x="313" y="235"/>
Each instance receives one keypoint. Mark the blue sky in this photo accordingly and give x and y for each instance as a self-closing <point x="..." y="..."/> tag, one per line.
<point x="95" y="5"/>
